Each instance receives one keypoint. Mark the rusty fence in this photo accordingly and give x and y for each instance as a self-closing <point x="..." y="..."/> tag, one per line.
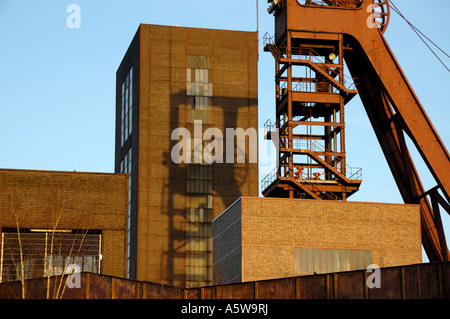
<point x="421" y="281"/>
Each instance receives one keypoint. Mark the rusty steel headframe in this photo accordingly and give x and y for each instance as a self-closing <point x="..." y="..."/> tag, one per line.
<point x="312" y="33"/>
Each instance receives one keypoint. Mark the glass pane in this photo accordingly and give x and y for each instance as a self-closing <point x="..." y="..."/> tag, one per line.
<point x="200" y="215"/>
<point x="189" y="186"/>
<point x="196" y="186"/>
<point x="130" y="118"/>
<point x="192" y="217"/>
<point x="131" y="90"/>
<point x="330" y="260"/>
<point x="203" y="187"/>
<point x="368" y="259"/>
<point x="342" y="260"/>
<point x="201" y="61"/>
<point x="348" y="260"/>
<point x="297" y="269"/>
<point x="206" y="170"/>
<point x="198" y="167"/>
<point x="188" y="74"/>
<point x="316" y="261"/>
<point x="323" y="261"/>
<point x="122" y="109"/>
<point x="304" y="261"/>
<point x="210" y="89"/>
<point x="355" y="260"/>
<point x="336" y="260"/>
<point x="188" y="173"/>
<point x="189" y="61"/>
<point x="197" y="75"/>
<point x="361" y="259"/>
<point x="310" y="261"/>
<point x="210" y="201"/>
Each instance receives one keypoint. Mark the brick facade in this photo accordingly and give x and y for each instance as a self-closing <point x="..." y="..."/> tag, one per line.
<point x="84" y="201"/>
<point x="255" y="238"/>
<point x="160" y="57"/>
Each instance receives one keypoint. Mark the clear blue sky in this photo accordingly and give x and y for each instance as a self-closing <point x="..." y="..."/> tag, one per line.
<point x="57" y="84"/>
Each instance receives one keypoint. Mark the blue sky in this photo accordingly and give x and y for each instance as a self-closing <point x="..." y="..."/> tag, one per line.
<point x="57" y="84"/>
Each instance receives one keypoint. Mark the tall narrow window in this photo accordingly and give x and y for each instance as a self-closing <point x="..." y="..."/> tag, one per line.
<point x="198" y="225"/>
<point x="126" y="128"/>
<point x="126" y="114"/>
<point x="126" y="167"/>
<point x="199" y="91"/>
<point x="199" y="88"/>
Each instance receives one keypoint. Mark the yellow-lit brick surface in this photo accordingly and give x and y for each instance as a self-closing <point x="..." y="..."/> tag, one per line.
<point x="70" y="201"/>
<point x="256" y="237"/>
<point x="159" y="56"/>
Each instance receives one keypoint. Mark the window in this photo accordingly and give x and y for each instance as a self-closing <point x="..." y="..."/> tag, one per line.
<point x="309" y="261"/>
<point x="199" y="88"/>
<point x="198" y="225"/>
<point x="48" y="253"/>
<point x="126" y="108"/>
<point x="126" y="167"/>
<point x="199" y="91"/>
<point x="199" y="179"/>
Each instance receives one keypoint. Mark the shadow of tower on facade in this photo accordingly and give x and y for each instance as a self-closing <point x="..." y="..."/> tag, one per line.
<point x="181" y="75"/>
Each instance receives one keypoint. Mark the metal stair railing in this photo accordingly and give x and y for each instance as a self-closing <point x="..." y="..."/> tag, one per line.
<point x="314" y="59"/>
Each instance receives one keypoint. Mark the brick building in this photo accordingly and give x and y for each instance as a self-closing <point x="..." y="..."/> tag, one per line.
<point x="171" y="78"/>
<point x="63" y="218"/>
<point x="267" y="238"/>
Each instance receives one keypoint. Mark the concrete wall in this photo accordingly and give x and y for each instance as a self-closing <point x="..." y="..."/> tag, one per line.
<point x="256" y="237"/>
